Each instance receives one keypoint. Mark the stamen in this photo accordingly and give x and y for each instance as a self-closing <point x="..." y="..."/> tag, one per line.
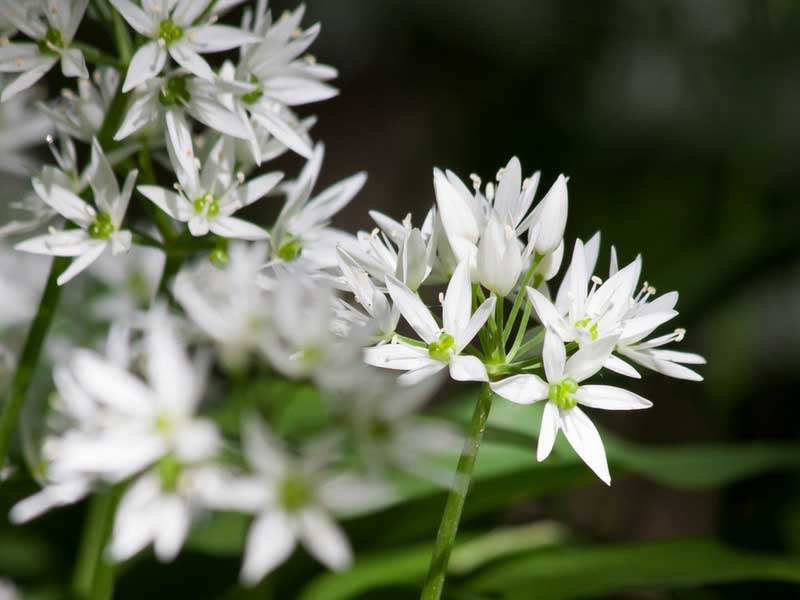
<point x="680" y="333"/>
<point x="476" y="181"/>
<point x="441" y="297"/>
<point x="490" y="191"/>
<point x="500" y="173"/>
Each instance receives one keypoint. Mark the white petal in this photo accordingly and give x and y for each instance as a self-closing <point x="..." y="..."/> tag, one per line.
<point x="325" y="540"/>
<point x="181" y="151"/>
<point x="610" y="398"/>
<point x="475" y="323"/>
<point x="457" y="303"/>
<point x="270" y="542"/>
<point x="551" y="421"/>
<point x="170" y="202"/>
<point x="616" y="364"/>
<point x="82" y="262"/>
<point x="171" y="374"/>
<point x="554" y="356"/>
<point x="522" y="389"/>
<point x="71" y="242"/>
<point x="687" y="358"/>
<point x="148" y="62"/>
<point x="135" y="16"/>
<point x="112" y="385"/>
<point x="65" y="202"/>
<point x="27" y="79"/>
<point x="217" y="117"/>
<point x="590" y="358"/>
<point x="552" y="216"/>
<point x="584" y="438"/>
<point x="401" y="356"/>
<point x="73" y="64"/>
<point x="283" y="131"/>
<point x="424" y="372"/>
<point x="190" y="60"/>
<point x="174" y="520"/>
<point x="218" y="38"/>
<point x="467" y="368"/>
<point x="508" y="191"/>
<point x="548" y="315"/>
<point x="231" y="227"/>
<point x="414" y="310"/>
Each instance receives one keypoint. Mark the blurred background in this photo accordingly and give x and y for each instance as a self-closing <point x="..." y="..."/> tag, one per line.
<point x="678" y="124"/>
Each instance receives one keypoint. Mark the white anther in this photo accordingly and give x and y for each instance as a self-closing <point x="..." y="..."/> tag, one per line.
<point x="50" y="139"/>
<point x="240" y="177"/>
<point x="490" y="191"/>
<point x="596" y="280"/>
<point x="680" y="333"/>
<point x="310" y="59"/>
<point x="441" y="297"/>
<point x="476" y="181"/>
<point x="500" y="173"/>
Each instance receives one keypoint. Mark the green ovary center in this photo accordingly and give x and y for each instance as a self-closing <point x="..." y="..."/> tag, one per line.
<point x="169" y="32"/>
<point x="175" y="91"/>
<point x="255" y="95"/>
<point x="443" y="348"/>
<point x="294" y="493"/>
<point x="290" y="249"/>
<point x="52" y="39"/>
<point x="207" y="202"/>
<point x="584" y="324"/>
<point x="562" y="394"/>
<point x="169" y="471"/>
<point x="102" y="227"/>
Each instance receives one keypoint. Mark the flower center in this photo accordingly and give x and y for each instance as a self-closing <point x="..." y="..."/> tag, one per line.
<point x="175" y="91"/>
<point x="102" y="227"/>
<point x="584" y="324"/>
<point x="169" y="32"/>
<point x="52" y="40"/>
<point x="442" y="349"/>
<point x="290" y="249"/>
<point x="562" y="394"/>
<point x="294" y="493"/>
<point x="169" y="471"/>
<point x="207" y="202"/>
<point x="255" y="95"/>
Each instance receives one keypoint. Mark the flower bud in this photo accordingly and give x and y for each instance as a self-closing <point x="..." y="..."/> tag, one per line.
<point x="551" y="216"/>
<point x="499" y="257"/>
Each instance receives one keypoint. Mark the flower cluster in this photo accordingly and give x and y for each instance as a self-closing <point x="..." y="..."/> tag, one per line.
<point x="164" y="152"/>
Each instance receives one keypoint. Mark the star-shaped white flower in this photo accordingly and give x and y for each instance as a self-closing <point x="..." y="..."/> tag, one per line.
<point x="170" y="25"/>
<point x="564" y="391"/>
<point x="52" y="25"/>
<point x="98" y="229"/>
<point x="206" y="199"/>
<point x="442" y="345"/>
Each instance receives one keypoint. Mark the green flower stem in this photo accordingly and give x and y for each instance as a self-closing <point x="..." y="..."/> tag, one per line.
<point x="94" y="577"/>
<point x="531" y="343"/>
<point x="499" y="343"/>
<point x="96" y="56"/>
<point x="445" y="538"/>
<point x="30" y="357"/>
<point x="512" y="317"/>
<point x="122" y="38"/>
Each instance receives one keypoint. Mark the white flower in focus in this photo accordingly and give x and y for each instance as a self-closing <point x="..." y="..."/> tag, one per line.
<point x="97" y="230"/>
<point x="52" y="25"/>
<point x="563" y="392"/>
<point x="21" y="129"/>
<point x="442" y="345"/>
<point x="499" y="258"/>
<point x="206" y="199"/>
<point x="172" y="31"/>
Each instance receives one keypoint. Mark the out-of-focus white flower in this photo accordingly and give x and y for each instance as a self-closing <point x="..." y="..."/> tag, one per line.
<point x="173" y="32"/>
<point x="8" y="591"/>
<point x="21" y="128"/>
<point x="302" y="239"/>
<point x="270" y="77"/>
<point x="293" y="498"/>
<point x="51" y="25"/>
<point x="130" y="282"/>
<point x="227" y="305"/>
<point x="81" y="115"/>
<point x="97" y="230"/>
<point x="442" y="345"/>
<point x="563" y="392"/>
<point x="207" y="198"/>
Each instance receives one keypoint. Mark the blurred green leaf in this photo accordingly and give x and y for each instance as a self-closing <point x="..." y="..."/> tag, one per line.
<point x="563" y="573"/>
<point x="23" y="554"/>
<point x="408" y="566"/>
<point x="220" y="534"/>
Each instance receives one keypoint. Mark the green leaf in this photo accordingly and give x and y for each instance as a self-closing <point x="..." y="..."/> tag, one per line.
<point x="408" y="566"/>
<point x="563" y="573"/>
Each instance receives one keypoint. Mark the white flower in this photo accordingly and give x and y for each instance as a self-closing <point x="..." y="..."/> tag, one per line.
<point x="564" y="392"/>
<point x="97" y="230"/>
<point x="302" y="237"/>
<point x="21" y="129"/>
<point x="52" y="25"/>
<point x="442" y="345"/>
<point x="550" y="215"/>
<point x="130" y="283"/>
<point x="271" y="78"/>
<point x="499" y="259"/>
<point x="8" y="591"/>
<point x="292" y="500"/>
<point x="206" y="199"/>
<point x="172" y="30"/>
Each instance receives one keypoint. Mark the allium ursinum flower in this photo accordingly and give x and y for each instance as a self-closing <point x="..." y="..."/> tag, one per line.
<point x="81" y="115"/>
<point x="8" y="591"/>
<point x="302" y="239"/>
<point x="98" y="229"/>
<point x="443" y="345"/>
<point x="51" y="25"/>
<point x="227" y="305"/>
<point x="269" y="147"/>
<point x="182" y="93"/>
<point x="272" y="78"/>
<point x="465" y="216"/>
<point x="171" y="27"/>
<point x="21" y="129"/>
<point x="292" y="498"/>
<point x="206" y="198"/>
<point x="564" y="391"/>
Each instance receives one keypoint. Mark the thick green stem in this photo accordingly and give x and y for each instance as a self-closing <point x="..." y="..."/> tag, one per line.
<point x="445" y="538"/>
<point x="94" y="576"/>
<point x="122" y="38"/>
<point x="30" y="357"/>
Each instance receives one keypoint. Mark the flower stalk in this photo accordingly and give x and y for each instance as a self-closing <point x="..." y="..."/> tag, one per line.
<point x="94" y="576"/>
<point x="448" y="526"/>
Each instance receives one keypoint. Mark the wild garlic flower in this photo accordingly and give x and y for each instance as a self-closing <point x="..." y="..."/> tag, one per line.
<point x="98" y="229"/>
<point x="21" y="129"/>
<point x="51" y="25"/>
<point x="441" y="346"/>
<point x="207" y="198"/>
<point x="270" y="77"/>
<point x="173" y="31"/>
<point x="564" y="391"/>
